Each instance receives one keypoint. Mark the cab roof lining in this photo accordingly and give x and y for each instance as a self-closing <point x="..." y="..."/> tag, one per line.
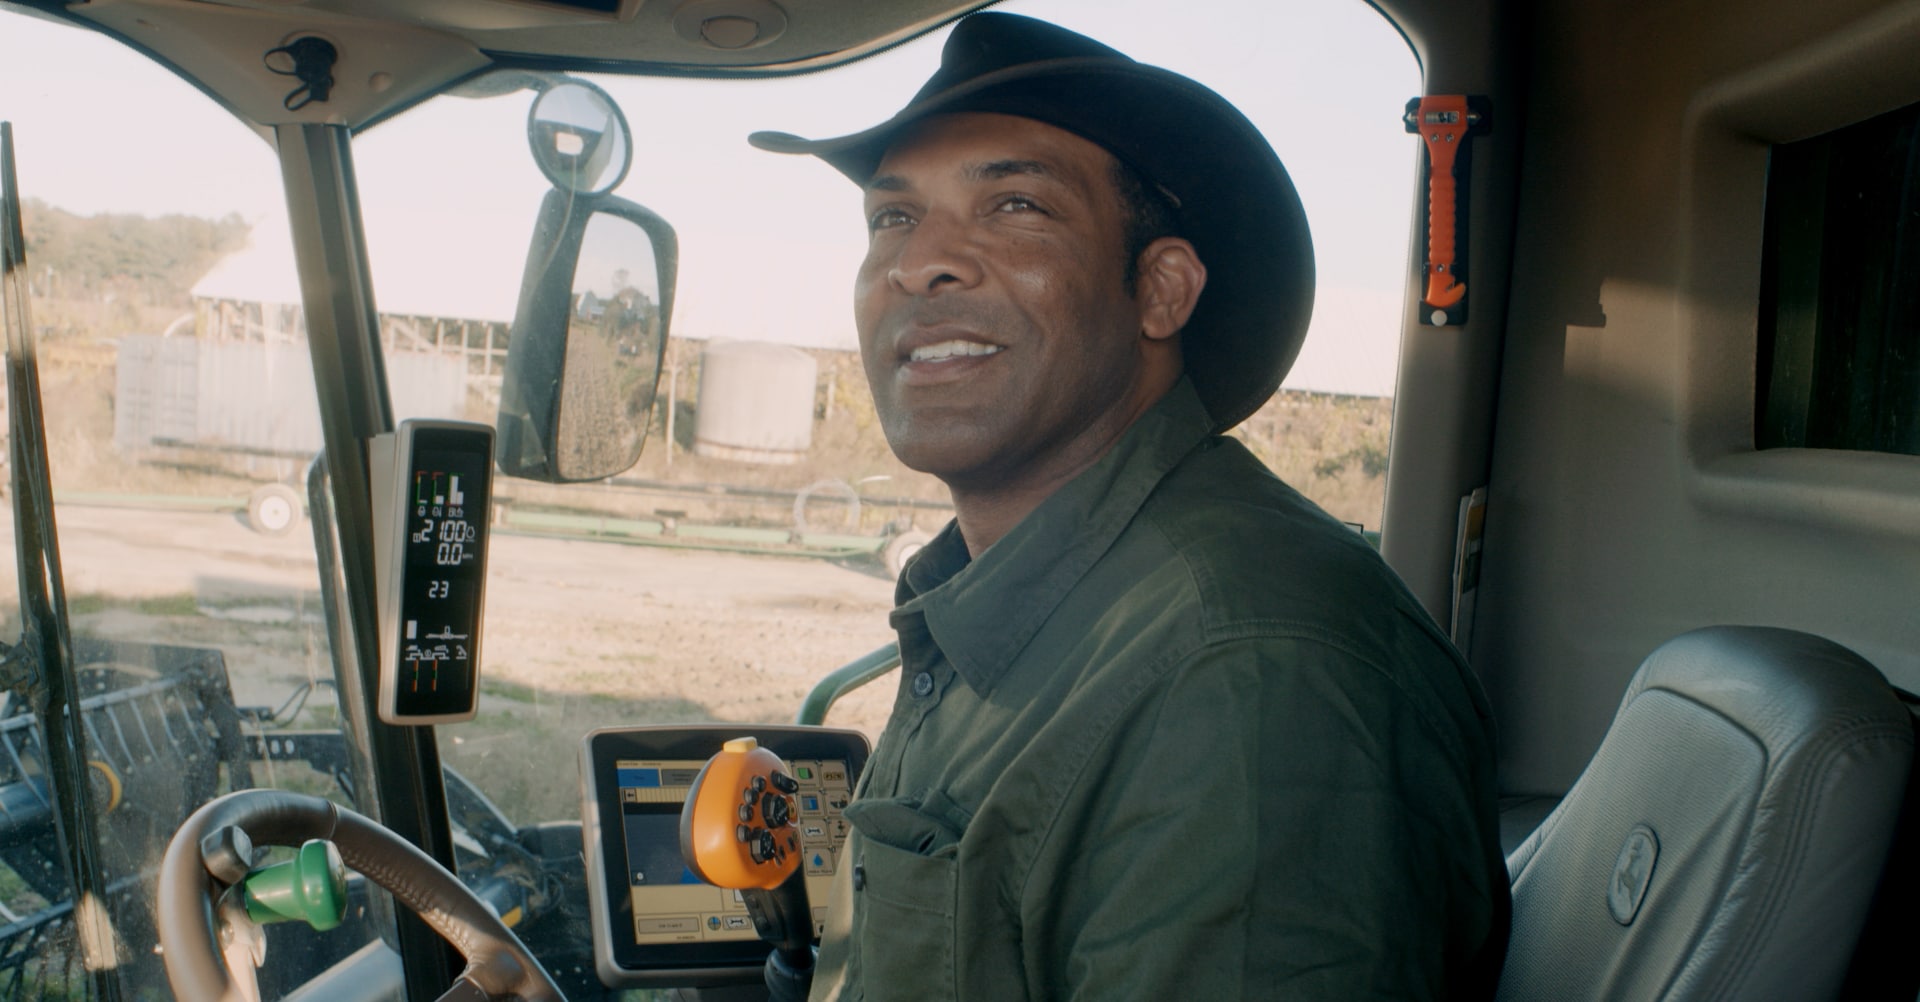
<point x="395" y="53"/>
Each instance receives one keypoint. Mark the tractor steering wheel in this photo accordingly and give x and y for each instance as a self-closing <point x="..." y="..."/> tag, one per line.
<point x="497" y="962"/>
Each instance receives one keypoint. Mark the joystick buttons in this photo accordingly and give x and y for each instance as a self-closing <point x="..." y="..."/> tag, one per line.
<point x="737" y="827"/>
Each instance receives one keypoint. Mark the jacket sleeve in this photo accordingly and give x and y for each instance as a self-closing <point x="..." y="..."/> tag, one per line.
<point x="1274" y="818"/>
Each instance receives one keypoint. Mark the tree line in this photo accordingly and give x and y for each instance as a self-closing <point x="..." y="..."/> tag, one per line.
<point x="122" y="257"/>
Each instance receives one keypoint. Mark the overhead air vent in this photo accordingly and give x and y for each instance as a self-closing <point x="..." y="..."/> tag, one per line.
<point x="730" y="24"/>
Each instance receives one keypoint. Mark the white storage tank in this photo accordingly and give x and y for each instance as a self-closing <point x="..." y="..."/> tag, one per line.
<point x="756" y="402"/>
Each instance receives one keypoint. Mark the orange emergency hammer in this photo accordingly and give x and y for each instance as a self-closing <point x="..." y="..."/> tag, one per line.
<point x="1444" y="123"/>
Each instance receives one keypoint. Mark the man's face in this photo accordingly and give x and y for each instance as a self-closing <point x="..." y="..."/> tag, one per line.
<point x="998" y="337"/>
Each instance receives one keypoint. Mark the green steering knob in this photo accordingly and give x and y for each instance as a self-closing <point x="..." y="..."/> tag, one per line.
<point x="312" y="887"/>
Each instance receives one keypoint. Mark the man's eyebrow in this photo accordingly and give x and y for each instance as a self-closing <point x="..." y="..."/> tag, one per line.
<point x="994" y="170"/>
<point x="991" y="170"/>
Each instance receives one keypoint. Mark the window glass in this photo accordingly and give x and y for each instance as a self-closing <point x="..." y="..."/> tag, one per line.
<point x="750" y="550"/>
<point x="1839" y="364"/>
<point x="180" y="421"/>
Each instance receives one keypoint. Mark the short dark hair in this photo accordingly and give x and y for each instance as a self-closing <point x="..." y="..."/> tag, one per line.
<point x="1150" y="216"/>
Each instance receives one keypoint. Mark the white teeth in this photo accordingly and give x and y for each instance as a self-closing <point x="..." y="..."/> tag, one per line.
<point x="949" y="349"/>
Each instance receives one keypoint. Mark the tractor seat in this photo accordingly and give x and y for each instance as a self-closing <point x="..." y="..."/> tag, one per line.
<point x="1727" y="838"/>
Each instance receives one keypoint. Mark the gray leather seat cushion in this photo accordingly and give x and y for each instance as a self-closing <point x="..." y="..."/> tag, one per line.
<point x="1726" y="839"/>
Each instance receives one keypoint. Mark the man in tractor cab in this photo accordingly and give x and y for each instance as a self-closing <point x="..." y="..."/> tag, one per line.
<point x="1165" y="729"/>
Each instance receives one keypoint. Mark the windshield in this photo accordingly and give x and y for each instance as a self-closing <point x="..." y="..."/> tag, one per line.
<point x="753" y="547"/>
<point x="587" y="629"/>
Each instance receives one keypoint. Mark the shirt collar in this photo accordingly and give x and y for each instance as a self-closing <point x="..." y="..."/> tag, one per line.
<point x="982" y="613"/>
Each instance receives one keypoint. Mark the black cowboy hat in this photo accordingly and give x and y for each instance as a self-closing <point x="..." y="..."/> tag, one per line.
<point x="1234" y="199"/>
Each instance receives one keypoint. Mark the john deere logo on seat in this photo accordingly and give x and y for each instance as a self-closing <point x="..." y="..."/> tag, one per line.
<point x="1632" y="872"/>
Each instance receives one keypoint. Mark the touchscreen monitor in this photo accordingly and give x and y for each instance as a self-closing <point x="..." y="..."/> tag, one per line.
<point x="654" y="921"/>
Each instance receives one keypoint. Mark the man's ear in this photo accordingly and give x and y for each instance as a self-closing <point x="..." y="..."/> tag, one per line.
<point x="1171" y="277"/>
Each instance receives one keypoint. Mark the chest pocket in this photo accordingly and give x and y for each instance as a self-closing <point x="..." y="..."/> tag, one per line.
<point x="905" y="885"/>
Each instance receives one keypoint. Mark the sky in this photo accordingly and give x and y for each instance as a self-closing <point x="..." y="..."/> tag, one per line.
<point x="768" y="243"/>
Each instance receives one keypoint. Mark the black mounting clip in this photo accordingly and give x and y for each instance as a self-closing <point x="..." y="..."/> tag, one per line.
<point x="310" y="59"/>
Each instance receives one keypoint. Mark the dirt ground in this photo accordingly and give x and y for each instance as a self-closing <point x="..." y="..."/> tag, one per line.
<point x="577" y="634"/>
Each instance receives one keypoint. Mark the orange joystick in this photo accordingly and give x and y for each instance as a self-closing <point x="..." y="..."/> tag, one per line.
<point x="737" y="828"/>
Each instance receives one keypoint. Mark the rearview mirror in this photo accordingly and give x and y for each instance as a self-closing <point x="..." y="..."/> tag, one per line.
<point x="583" y="361"/>
<point x="579" y="138"/>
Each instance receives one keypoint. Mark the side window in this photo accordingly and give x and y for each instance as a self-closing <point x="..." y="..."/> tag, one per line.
<point x="1330" y="104"/>
<point x="180" y="420"/>
<point x="1839" y="360"/>
<point x="1326" y="84"/>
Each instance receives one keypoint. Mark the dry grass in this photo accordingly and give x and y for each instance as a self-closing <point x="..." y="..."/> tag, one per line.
<point x="1331" y="448"/>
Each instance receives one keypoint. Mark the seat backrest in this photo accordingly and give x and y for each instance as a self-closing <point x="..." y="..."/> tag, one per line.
<point x="1726" y="839"/>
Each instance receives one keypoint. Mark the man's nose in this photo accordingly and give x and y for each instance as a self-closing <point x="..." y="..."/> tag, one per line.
<point x="936" y="256"/>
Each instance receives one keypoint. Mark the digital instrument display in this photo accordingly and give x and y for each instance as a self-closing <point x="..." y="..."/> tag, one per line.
<point x="654" y="921"/>
<point x="445" y="580"/>
<point x="438" y="496"/>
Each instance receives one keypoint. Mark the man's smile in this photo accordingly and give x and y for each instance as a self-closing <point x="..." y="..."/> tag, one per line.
<point x="950" y="349"/>
<point x="945" y="361"/>
<point x="939" y="350"/>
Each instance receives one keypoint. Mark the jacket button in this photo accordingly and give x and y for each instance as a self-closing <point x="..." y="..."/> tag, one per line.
<point x="859" y="877"/>
<point x="922" y="685"/>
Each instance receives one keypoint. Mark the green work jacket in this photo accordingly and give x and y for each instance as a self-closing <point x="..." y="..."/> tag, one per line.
<point x="1179" y="735"/>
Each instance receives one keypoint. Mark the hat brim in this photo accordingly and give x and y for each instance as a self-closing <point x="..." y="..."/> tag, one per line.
<point x="1236" y="203"/>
